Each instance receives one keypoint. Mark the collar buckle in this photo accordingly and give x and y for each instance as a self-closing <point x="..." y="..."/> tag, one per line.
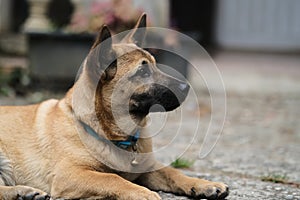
<point x="130" y="142"/>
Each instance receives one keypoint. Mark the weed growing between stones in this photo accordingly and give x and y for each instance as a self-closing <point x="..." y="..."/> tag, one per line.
<point x="182" y="163"/>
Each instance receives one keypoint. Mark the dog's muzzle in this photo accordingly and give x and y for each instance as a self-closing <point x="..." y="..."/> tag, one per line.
<point x="160" y="98"/>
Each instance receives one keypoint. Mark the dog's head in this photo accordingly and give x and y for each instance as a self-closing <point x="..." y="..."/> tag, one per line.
<point x="130" y="80"/>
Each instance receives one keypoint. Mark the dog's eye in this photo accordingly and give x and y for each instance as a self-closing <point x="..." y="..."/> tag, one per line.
<point x="143" y="71"/>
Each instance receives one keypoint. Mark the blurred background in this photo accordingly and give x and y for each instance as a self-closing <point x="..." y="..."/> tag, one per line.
<point x="34" y="34"/>
<point x="255" y="44"/>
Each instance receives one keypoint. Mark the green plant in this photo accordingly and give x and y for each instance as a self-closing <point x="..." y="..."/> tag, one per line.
<point x="275" y="178"/>
<point x="14" y="82"/>
<point x="279" y="178"/>
<point x="182" y="163"/>
<point x="3" y="91"/>
<point x="3" y="84"/>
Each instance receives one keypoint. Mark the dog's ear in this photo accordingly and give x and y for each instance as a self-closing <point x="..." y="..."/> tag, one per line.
<point x="102" y="53"/>
<point x="103" y="34"/>
<point x="137" y="35"/>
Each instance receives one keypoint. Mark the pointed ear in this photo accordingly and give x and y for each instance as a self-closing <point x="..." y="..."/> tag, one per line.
<point x="103" y="35"/>
<point x="137" y="35"/>
<point x="103" y="53"/>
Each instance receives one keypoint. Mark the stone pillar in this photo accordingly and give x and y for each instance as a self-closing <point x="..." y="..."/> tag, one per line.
<point x="37" y="21"/>
<point x="5" y="15"/>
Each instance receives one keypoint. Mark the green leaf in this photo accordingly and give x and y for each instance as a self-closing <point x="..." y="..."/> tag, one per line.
<point x="182" y="163"/>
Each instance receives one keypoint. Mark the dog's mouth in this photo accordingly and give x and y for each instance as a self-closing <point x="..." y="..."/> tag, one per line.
<point x="158" y="98"/>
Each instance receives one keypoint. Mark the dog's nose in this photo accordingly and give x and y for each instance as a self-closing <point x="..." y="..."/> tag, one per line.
<point x="184" y="87"/>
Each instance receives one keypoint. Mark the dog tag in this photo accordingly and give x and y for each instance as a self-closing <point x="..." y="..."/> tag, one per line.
<point x="134" y="162"/>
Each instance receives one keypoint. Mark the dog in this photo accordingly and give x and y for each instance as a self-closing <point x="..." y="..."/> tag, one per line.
<point x="91" y="143"/>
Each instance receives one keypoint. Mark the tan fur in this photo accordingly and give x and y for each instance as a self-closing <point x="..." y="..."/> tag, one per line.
<point x="41" y="146"/>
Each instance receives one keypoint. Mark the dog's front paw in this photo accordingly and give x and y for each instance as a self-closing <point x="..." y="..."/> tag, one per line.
<point x="141" y="194"/>
<point x="29" y="193"/>
<point x="210" y="190"/>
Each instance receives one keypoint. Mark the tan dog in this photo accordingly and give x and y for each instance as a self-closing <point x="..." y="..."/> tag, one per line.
<point x="80" y="147"/>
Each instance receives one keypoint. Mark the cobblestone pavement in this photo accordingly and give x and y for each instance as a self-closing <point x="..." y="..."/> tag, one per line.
<point x="260" y="136"/>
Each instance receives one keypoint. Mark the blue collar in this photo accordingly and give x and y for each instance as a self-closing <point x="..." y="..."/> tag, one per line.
<point x="123" y="144"/>
<point x="130" y="142"/>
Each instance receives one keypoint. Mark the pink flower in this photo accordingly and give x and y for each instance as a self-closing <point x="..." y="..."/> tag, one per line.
<point x="100" y="8"/>
<point x="79" y="22"/>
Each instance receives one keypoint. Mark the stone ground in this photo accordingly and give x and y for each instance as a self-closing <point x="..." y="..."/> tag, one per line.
<point x="260" y="136"/>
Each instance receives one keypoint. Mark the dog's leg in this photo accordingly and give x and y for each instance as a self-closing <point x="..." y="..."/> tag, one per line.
<point x="9" y="191"/>
<point x="20" y="192"/>
<point x="172" y="180"/>
<point x="83" y="183"/>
